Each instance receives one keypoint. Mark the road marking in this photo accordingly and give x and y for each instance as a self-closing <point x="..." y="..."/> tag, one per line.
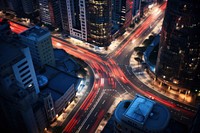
<point x="185" y="117"/>
<point x="103" y="102"/>
<point x="130" y="88"/>
<point x="87" y="126"/>
<point x="95" y="113"/>
<point x="90" y="112"/>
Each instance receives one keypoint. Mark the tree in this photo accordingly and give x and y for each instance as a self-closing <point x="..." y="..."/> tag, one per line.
<point x="139" y="49"/>
<point x="140" y="54"/>
<point x="106" y="48"/>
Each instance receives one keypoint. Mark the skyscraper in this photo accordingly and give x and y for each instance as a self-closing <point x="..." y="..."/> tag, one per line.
<point x="29" y="6"/>
<point x="136" y="8"/>
<point x="15" y="6"/>
<point x="87" y="20"/>
<point x="50" y="12"/>
<point x="178" y="63"/>
<point x="21" y="8"/>
<point x="64" y="16"/>
<point x="74" y="18"/>
<point x="3" y="5"/>
<point x="40" y="44"/>
<point x="16" y="67"/>
<point x="99" y="22"/>
<point x="122" y="12"/>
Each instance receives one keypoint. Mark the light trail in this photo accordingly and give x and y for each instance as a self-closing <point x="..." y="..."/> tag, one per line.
<point x="98" y="119"/>
<point x="109" y="68"/>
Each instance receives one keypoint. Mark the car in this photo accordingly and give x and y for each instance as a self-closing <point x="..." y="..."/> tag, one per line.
<point x="150" y="97"/>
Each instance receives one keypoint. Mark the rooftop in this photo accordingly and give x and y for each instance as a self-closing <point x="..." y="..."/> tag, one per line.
<point x="143" y="112"/>
<point x="59" y="82"/>
<point x="64" y="62"/>
<point x="34" y="33"/>
<point x="139" y="110"/>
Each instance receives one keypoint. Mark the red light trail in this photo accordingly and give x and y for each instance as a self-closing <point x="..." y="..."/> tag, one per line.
<point x="113" y="71"/>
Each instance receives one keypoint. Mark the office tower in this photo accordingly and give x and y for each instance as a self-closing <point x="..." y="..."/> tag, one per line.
<point x="64" y="16"/>
<point x="178" y="62"/>
<point x="136" y="8"/>
<point x="16" y="111"/>
<point x="3" y="5"/>
<point x="29" y="6"/>
<point x="87" y="20"/>
<point x="74" y="18"/>
<point x="4" y="28"/>
<point x="16" y="67"/>
<point x="99" y="22"/>
<point x="50" y="12"/>
<point x="62" y="93"/>
<point x="39" y="42"/>
<point x="140" y="115"/>
<point x="15" y="6"/>
<point x="122" y="13"/>
<point x="18" y="87"/>
<point x="21" y="108"/>
<point x="21" y="8"/>
<point x="48" y="106"/>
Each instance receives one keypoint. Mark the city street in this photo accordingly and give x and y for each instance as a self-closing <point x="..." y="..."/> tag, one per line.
<point x="113" y="78"/>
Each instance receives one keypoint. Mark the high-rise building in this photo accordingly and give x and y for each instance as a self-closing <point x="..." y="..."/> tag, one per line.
<point x="50" y="12"/>
<point x="87" y="20"/>
<point x="16" y="67"/>
<point x="39" y="42"/>
<point x="29" y="6"/>
<point x="21" y="8"/>
<point x="18" y="87"/>
<point x="16" y="109"/>
<point x="74" y="18"/>
<point x="64" y="16"/>
<point x="122" y="13"/>
<point x="136" y="8"/>
<point x="140" y="115"/>
<point x="99" y="22"/>
<point x="3" y="5"/>
<point x="15" y="6"/>
<point x="178" y="63"/>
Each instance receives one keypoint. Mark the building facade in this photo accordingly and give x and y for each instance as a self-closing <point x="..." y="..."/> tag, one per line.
<point x="39" y="42"/>
<point x="140" y="115"/>
<point x="16" y="107"/>
<point x="48" y="106"/>
<point x="76" y="12"/>
<point x="50" y="12"/>
<point x="3" y="5"/>
<point x="178" y="62"/>
<point x="61" y="94"/>
<point x="99" y="22"/>
<point x="64" y="17"/>
<point x="87" y="20"/>
<point x="29" y="6"/>
<point x="15" y="6"/>
<point x="21" y="8"/>
<point x="17" y="68"/>
<point x="18" y="87"/>
<point x="136" y="8"/>
<point x="122" y="12"/>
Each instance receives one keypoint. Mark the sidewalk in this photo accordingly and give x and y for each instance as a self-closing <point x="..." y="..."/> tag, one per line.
<point x="101" y="50"/>
<point x="144" y="77"/>
<point x="81" y="91"/>
<point x="111" y="110"/>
